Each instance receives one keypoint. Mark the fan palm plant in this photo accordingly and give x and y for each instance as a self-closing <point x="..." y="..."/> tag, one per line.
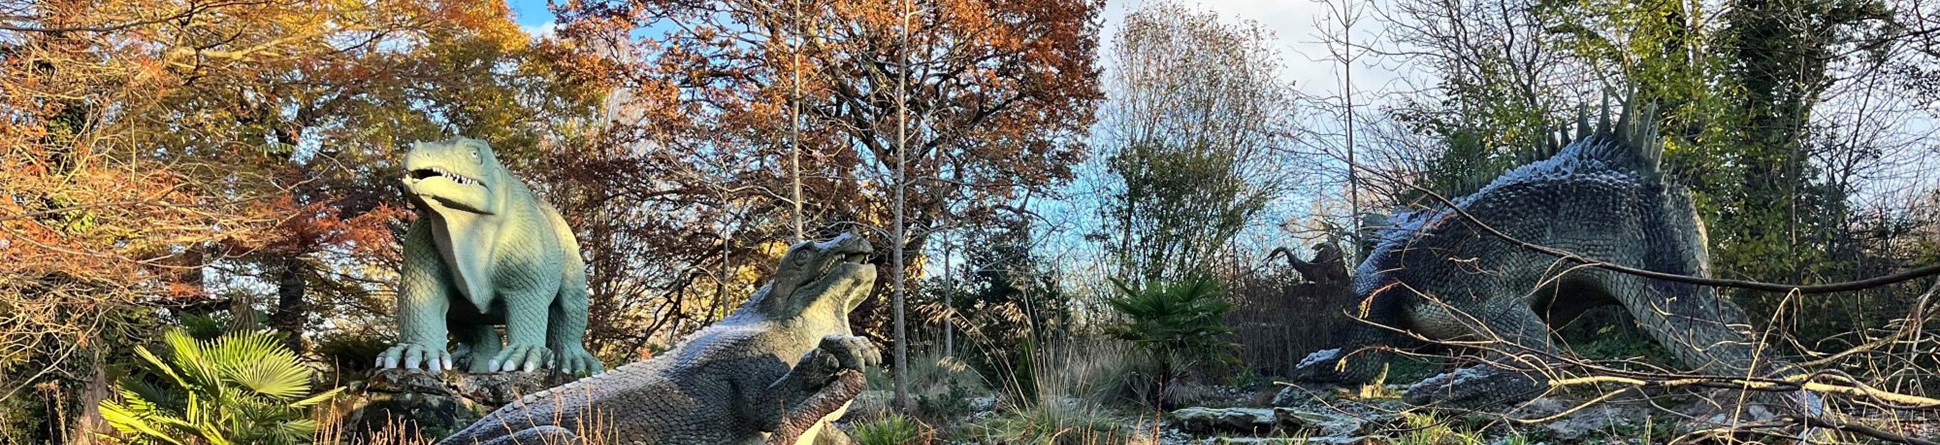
<point x="1179" y="326"/>
<point x="239" y="388"/>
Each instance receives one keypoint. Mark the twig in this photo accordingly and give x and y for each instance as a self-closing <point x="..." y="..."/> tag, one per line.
<point x="1863" y="430"/>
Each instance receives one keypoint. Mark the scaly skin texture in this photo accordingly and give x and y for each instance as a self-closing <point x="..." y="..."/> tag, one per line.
<point x="486" y="252"/>
<point x="1437" y="275"/>
<point x="754" y="373"/>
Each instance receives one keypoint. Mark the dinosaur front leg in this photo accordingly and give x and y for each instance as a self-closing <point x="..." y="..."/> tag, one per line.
<point x="526" y="315"/>
<point x="423" y="303"/>
<point x="1517" y="343"/>
<point x="823" y="381"/>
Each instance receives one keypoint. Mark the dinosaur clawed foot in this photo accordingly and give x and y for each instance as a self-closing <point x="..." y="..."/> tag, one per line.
<point x="573" y="359"/>
<point x="1474" y="387"/>
<point x="851" y="352"/>
<point x="415" y="356"/>
<point x="519" y="357"/>
<point x="837" y="353"/>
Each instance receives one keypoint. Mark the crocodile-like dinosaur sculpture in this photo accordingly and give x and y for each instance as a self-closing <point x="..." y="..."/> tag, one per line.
<point x="736" y="382"/>
<point x="1437" y="275"/>
<point x="486" y="252"/>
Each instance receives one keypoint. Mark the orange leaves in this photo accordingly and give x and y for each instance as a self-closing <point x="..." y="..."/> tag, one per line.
<point x="320" y="226"/>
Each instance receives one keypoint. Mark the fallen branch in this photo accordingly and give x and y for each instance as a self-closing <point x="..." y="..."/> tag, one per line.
<point x="1863" y="430"/>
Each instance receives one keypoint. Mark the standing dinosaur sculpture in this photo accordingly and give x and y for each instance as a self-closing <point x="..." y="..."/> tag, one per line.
<point x="485" y="252"/>
<point x="1440" y="276"/>
<point x="731" y="383"/>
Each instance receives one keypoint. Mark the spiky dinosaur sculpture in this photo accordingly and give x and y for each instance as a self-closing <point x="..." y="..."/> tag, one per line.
<point x="486" y="252"/>
<point x="731" y="383"/>
<point x="1440" y="276"/>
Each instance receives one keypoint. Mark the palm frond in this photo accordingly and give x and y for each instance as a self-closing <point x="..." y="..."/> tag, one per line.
<point x="255" y="360"/>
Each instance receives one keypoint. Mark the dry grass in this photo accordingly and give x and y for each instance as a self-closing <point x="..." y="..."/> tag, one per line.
<point x="334" y="429"/>
<point x="1067" y="403"/>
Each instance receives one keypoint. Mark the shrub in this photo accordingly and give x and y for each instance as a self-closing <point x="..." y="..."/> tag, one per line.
<point x="893" y="429"/>
<point x="1426" y="429"/>
<point x="1176" y="326"/>
<point x="239" y="388"/>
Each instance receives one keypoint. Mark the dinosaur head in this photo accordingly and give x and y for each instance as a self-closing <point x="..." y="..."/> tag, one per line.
<point x="454" y="174"/>
<point x="828" y="277"/>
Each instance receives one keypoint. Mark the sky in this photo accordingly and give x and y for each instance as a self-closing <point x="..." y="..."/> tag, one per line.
<point x="1297" y="26"/>
<point x="1291" y="21"/>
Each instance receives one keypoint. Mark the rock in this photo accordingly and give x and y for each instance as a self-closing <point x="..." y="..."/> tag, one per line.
<point x="498" y="388"/>
<point x="421" y="403"/>
<point x="1584" y="423"/>
<point x="405" y="381"/>
<point x="983" y="403"/>
<point x="1200" y="420"/>
<point x="1329" y="440"/>
<point x="868" y="405"/>
<point x="1294" y="421"/>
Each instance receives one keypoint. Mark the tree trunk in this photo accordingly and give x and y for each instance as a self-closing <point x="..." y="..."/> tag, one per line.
<point x="901" y="234"/>
<point x="292" y="312"/>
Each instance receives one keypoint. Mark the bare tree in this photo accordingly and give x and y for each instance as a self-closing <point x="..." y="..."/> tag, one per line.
<point x="1195" y="108"/>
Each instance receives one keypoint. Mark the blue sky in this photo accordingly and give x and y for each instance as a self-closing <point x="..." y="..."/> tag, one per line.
<point x="1297" y="27"/>
<point x="532" y="14"/>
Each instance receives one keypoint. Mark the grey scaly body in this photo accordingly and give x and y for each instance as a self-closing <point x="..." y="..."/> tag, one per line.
<point x="731" y="383"/>
<point x="1437" y="275"/>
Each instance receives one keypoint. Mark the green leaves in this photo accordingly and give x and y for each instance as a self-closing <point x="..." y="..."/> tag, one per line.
<point x="1179" y="325"/>
<point x="243" y="388"/>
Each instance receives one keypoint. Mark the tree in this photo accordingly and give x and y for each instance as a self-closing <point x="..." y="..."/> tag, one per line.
<point x="168" y="155"/>
<point x="994" y="97"/>
<point x="1195" y="108"/>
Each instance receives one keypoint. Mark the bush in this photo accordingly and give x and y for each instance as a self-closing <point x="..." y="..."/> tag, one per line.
<point x="240" y="388"/>
<point x="1426" y="429"/>
<point x="1176" y="326"/>
<point x="893" y="430"/>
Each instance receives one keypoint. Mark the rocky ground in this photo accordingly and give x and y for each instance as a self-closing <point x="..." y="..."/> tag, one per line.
<point x="1324" y="415"/>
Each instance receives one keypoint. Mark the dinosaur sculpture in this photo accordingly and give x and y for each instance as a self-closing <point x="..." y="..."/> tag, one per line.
<point x="730" y="383"/>
<point x="485" y="252"/>
<point x="1436" y="274"/>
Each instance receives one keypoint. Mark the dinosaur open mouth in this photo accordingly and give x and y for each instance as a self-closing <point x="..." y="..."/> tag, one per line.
<point x="423" y="173"/>
<point x="855" y="258"/>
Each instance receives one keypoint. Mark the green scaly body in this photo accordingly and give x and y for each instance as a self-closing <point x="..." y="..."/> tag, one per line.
<point x="486" y="252"/>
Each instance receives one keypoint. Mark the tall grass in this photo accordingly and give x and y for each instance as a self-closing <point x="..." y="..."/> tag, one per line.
<point x="1066" y="400"/>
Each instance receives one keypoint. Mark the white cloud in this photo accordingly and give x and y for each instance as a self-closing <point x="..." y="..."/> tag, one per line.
<point x="1296" y="32"/>
<point x="544" y="30"/>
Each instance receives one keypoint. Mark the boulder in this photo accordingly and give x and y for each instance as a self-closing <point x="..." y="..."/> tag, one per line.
<point x="1321" y="423"/>
<point x="416" y="403"/>
<point x="1200" y="420"/>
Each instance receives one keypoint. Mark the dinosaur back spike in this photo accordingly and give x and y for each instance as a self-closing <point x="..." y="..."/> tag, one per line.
<point x="1603" y="123"/>
<point x="1632" y="142"/>
<point x="1582" y="123"/>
